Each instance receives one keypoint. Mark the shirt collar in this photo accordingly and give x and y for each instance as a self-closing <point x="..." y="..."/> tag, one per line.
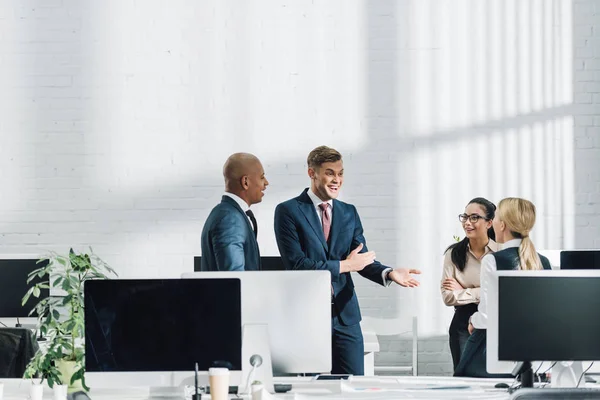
<point x="490" y="247"/>
<point x="316" y="200"/>
<point x="510" y="243"/>
<point x="243" y="205"/>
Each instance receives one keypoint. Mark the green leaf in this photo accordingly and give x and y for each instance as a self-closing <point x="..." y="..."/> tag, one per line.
<point x="57" y="281"/>
<point x="67" y="299"/>
<point x="36" y="291"/>
<point x="27" y="296"/>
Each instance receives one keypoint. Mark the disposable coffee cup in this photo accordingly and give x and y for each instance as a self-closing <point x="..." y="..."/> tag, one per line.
<point x="218" y="378"/>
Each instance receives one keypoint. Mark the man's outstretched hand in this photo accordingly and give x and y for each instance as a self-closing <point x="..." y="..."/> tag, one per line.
<point x="404" y="277"/>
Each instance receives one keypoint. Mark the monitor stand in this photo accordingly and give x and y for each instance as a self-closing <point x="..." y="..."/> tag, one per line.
<point x="524" y="370"/>
<point x="566" y="374"/>
<point x="256" y="358"/>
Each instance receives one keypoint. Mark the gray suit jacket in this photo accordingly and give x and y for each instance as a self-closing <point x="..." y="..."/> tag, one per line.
<point x="228" y="242"/>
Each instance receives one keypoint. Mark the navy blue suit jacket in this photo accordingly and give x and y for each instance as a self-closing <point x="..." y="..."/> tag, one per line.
<point x="228" y="241"/>
<point x="302" y="246"/>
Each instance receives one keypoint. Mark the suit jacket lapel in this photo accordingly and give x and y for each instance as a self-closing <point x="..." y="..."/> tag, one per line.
<point x="310" y="213"/>
<point x="227" y="199"/>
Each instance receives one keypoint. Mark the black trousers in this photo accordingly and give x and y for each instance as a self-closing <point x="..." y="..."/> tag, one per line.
<point x="347" y="347"/>
<point x="473" y="362"/>
<point x="459" y="330"/>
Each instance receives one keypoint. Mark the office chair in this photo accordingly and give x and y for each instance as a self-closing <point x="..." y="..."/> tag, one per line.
<point x="383" y="327"/>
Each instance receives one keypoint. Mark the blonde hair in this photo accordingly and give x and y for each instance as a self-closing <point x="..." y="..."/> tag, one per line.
<point x="519" y="216"/>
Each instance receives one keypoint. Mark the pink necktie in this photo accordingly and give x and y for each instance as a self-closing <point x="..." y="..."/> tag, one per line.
<point x="326" y="220"/>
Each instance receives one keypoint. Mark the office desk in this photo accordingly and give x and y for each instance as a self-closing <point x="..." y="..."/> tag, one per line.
<point x="359" y="388"/>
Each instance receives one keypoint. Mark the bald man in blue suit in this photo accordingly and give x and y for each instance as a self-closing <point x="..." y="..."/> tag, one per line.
<point x="314" y="231"/>
<point x="229" y="237"/>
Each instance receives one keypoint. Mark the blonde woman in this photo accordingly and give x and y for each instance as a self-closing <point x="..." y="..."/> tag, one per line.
<point x="512" y="224"/>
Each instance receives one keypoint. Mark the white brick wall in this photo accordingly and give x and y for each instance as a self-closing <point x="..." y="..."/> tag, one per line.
<point x="115" y="120"/>
<point x="586" y="46"/>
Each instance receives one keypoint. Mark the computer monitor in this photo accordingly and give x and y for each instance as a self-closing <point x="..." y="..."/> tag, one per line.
<point x="542" y="316"/>
<point x="161" y="325"/>
<point x="271" y="263"/>
<point x="296" y="307"/>
<point x="580" y="259"/>
<point x="13" y="286"/>
<point x="268" y="263"/>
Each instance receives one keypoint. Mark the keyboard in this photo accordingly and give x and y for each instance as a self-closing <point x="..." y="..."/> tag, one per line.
<point x="557" y="393"/>
<point x="279" y="388"/>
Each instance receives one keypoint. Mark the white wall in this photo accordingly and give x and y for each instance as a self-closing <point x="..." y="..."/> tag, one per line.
<point x="116" y="118"/>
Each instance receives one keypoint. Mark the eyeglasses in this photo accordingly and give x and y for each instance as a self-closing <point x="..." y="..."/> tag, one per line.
<point x="473" y="218"/>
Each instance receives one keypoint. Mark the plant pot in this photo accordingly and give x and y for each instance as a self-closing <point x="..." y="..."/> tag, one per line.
<point x="36" y="391"/>
<point x="66" y="369"/>
<point x="60" y="392"/>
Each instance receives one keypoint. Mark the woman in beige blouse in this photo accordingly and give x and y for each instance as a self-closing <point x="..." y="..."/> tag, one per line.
<point x="462" y="265"/>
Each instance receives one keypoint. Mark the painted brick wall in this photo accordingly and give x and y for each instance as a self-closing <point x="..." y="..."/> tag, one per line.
<point x="116" y="119"/>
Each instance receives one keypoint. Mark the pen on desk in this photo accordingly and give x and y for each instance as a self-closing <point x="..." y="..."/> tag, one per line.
<point x="197" y="396"/>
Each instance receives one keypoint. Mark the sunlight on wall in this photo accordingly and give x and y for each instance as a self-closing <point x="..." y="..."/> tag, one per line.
<point x="492" y="88"/>
<point x="186" y="90"/>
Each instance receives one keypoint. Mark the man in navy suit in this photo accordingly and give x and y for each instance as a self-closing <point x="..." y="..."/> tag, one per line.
<point x="230" y="231"/>
<point x="314" y="231"/>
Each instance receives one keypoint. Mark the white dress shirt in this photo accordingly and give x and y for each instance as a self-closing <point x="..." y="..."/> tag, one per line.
<point x="243" y="205"/>
<point x="488" y="280"/>
<point x="316" y="201"/>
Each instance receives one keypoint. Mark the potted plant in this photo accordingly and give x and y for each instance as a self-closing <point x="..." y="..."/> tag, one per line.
<point x="39" y="369"/>
<point x="61" y="318"/>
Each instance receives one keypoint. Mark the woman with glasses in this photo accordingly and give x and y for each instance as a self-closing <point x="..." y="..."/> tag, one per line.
<point x="462" y="265"/>
<point x="513" y="222"/>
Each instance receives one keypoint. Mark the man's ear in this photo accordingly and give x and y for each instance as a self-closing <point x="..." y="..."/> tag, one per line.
<point x="311" y="173"/>
<point x="244" y="182"/>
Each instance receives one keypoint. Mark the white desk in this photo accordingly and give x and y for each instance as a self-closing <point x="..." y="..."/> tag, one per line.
<point x="359" y="388"/>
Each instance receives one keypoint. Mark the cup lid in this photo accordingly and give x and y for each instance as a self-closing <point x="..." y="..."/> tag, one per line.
<point x="218" y="371"/>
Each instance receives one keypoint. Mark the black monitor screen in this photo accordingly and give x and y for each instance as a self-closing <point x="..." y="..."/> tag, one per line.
<point x="268" y="263"/>
<point x="13" y="286"/>
<point x="162" y="324"/>
<point x="580" y="259"/>
<point x="548" y="318"/>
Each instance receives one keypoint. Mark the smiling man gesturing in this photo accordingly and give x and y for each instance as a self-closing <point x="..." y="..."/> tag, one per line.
<point x="314" y="231"/>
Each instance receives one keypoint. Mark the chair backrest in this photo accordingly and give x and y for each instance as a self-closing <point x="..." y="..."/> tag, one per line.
<point x="388" y="327"/>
